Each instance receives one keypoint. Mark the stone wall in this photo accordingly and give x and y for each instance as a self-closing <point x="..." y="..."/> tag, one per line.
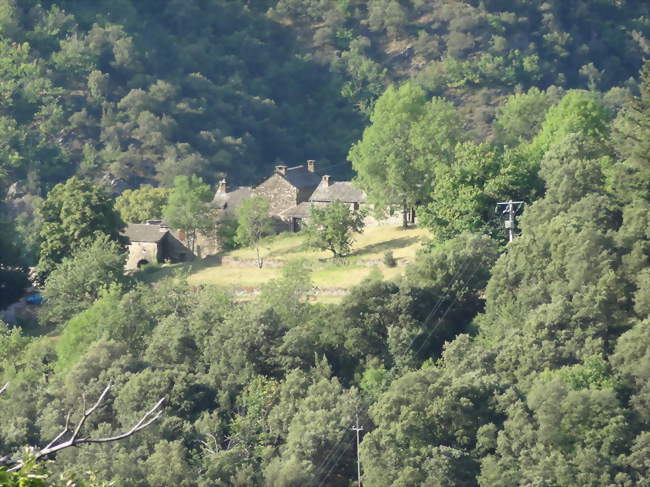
<point x="278" y="192"/>
<point x="174" y="250"/>
<point x="142" y="251"/>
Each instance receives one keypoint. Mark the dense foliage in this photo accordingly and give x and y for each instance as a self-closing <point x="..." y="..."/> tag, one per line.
<point x="331" y="227"/>
<point x="485" y="364"/>
<point x="147" y="91"/>
<point x="75" y="213"/>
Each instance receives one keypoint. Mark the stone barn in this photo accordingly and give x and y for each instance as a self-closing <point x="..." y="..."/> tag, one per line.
<point x="152" y="242"/>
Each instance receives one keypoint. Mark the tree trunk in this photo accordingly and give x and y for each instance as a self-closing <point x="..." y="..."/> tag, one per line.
<point x="260" y="262"/>
<point x="405" y="221"/>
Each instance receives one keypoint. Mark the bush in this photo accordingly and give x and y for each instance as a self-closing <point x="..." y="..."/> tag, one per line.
<point x="226" y="233"/>
<point x="389" y="259"/>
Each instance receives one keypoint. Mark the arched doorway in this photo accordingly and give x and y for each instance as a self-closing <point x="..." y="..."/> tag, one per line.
<point x="142" y="263"/>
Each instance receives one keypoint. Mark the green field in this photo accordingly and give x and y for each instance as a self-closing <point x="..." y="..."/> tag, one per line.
<point x="236" y="270"/>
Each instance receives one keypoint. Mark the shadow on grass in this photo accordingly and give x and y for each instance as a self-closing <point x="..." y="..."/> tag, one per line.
<point x="153" y="273"/>
<point x="396" y="243"/>
<point x="294" y="249"/>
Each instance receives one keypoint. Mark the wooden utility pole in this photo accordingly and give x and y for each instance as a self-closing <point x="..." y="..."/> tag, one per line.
<point x="357" y="429"/>
<point x="511" y="208"/>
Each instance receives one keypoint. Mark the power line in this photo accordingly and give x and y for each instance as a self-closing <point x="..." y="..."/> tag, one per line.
<point x="335" y="463"/>
<point x="436" y="307"/>
<point x="331" y="454"/>
<point x="446" y="311"/>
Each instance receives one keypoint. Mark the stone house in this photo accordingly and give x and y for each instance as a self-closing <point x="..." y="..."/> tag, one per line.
<point x="152" y="242"/>
<point x="288" y="187"/>
<point x="226" y="202"/>
<point x="343" y="191"/>
<point x="325" y="193"/>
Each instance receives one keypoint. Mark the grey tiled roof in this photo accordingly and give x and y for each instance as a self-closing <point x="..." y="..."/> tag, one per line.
<point x="300" y="177"/>
<point x="231" y="200"/>
<point x="343" y="191"/>
<point x="303" y="210"/>
<point x="141" y="232"/>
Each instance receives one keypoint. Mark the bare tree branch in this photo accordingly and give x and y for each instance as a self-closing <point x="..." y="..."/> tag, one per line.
<point x="76" y="439"/>
<point x="4" y="387"/>
<point x="66" y="428"/>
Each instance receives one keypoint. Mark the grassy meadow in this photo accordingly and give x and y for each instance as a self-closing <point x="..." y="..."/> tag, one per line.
<point x="236" y="270"/>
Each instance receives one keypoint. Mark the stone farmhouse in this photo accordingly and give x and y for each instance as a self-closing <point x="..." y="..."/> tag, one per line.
<point x="153" y="242"/>
<point x="226" y="202"/>
<point x="290" y="191"/>
<point x="325" y="193"/>
<point x="287" y="187"/>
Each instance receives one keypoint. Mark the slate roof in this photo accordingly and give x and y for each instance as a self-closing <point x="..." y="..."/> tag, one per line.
<point x="303" y="210"/>
<point x="300" y="177"/>
<point x="343" y="191"/>
<point x="141" y="232"/>
<point x="231" y="200"/>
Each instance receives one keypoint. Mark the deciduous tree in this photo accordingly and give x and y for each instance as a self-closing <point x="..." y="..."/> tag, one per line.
<point x="408" y="138"/>
<point x="75" y="213"/>
<point x="331" y="227"/>
<point x="187" y="207"/>
<point x="253" y="224"/>
<point x="144" y="203"/>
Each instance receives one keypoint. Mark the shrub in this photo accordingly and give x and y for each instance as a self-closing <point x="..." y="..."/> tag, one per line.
<point x="389" y="259"/>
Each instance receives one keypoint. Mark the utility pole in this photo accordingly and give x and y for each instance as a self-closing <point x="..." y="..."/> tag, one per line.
<point x="511" y="208"/>
<point x="358" y="428"/>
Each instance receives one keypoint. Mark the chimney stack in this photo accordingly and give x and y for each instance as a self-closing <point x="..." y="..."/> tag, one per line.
<point x="222" y="188"/>
<point x="311" y="165"/>
<point x="326" y="180"/>
<point x="281" y="170"/>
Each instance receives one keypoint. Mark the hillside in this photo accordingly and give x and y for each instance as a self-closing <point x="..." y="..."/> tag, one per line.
<point x="151" y="90"/>
<point x="483" y="358"/>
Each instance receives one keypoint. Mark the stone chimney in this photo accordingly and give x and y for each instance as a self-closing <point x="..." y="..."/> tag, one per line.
<point x="222" y="188"/>
<point x="311" y="165"/>
<point x="281" y="170"/>
<point x="326" y="180"/>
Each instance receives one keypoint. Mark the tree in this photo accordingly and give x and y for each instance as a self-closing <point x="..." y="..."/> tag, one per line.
<point x="466" y="192"/>
<point x="253" y="224"/>
<point x="408" y="137"/>
<point x="144" y="203"/>
<point x="81" y="278"/>
<point x="74" y="214"/>
<point x="187" y="208"/>
<point x="331" y="227"/>
<point x="579" y="112"/>
<point x="13" y="275"/>
<point x="427" y="422"/>
<point x="632" y="138"/>
<point x="71" y="434"/>
<point x="522" y="115"/>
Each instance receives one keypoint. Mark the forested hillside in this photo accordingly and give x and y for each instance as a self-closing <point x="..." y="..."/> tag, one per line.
<point x="485" y="363"/>
<point x="147" y="90"/>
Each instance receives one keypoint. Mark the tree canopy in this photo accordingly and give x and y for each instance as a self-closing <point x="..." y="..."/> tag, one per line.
<point x="187" y="207"/>
<point x="331" y="227"/>
<point x="483" y="363"/>
<point x="408" y="138"/>
<point x="75" y="213"/>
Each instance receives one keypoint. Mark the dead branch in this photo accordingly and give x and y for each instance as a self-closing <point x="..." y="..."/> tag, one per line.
<point x="75" y="434"/>
<point x="4" y="387"/>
